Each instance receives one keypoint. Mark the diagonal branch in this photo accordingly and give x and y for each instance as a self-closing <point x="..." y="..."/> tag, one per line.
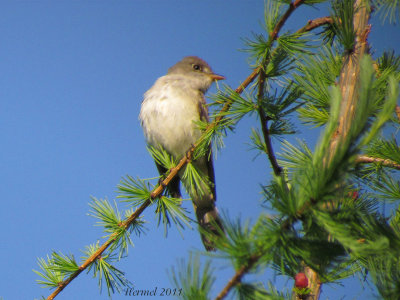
<point x="155" y="193"/>
<point x="238" y="276"/>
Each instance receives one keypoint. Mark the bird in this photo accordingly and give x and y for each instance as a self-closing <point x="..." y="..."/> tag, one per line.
<point x="168" y="114"/>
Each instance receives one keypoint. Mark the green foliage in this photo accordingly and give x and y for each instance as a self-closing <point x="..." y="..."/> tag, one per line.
<point x="51" y="276"/>
<point x="323" y="208"/>
<point x="342" y="14"/>
<point x="110" y="219"/>
<point x="170" y="210"/>
<point x="240" y="106"/>
<point x="135" y="192"/>
<point x="64" y="264"/>
<point x="161" y="157"/>
<point x="294" y="157"/>
<point x="257" y="142"/>
<point x="280" y="63"/>
<point x="386" y="189"/>
<point x="257" y="291"/>
<point x="385" y="273"/>
<point x="239" y="244"/>
<point x="384" y="149"/>
<point x="195" y="182"/>
<point x="388" y="9"/>
<point x="105" y="271"/>
<point x="315" y="74"/>
<point x="389" y="61"/>
<point x="212" y="138"/>
<point x="294" y="43"/>
<point x="196" y="282"/>
<point x="278" y="106"/>
<point x="273" y="11"/>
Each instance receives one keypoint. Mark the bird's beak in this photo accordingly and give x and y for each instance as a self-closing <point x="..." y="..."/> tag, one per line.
<point x="217" y="77"/>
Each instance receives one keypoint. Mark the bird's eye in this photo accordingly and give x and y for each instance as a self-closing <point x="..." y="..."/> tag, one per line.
<point x="196" y="67"/>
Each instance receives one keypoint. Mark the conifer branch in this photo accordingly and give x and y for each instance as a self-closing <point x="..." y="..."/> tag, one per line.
<point x="264" y="126"/>
<point x="349" y="85"/>
<point x="238" y="276"/>
<point x="155" y="193"/>
<point x="97" y="254"/>
<point x="385" y="162"/>
<point x="350" y="75"/>
<point x="312" y="24"/>
<point x="286" y="15"/>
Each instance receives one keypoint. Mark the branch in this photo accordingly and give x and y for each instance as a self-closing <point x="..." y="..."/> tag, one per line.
<point x="349" y="78"/>
<point x="264" y="126"/>
<point x="282" y="21"/>
<point x="363" y="159"/>
<point x="312" y="24"/>
<point x="156" y="192"/>
<point x="238" y="276"/>
<point x="349" y="85"/>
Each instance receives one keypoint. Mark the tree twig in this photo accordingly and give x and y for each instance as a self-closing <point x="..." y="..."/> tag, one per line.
<point x="264" y="126"/>
<point x="312" y="24"/>
<point x="238" y="276"/>
<point x="385" y="162"/>
<point x="286" y="15"/>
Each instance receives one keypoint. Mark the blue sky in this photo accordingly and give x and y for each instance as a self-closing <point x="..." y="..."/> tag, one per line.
<point x="72" y="78"/>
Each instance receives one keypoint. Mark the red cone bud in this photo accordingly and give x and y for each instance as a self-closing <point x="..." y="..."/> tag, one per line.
<point x="301" y="280"/>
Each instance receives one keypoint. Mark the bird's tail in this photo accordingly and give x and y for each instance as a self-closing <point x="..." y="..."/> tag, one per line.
<point x="210" y="224"/>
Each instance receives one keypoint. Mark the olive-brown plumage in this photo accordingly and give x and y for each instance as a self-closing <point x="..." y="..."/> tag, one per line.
<point x="168" y="114"/>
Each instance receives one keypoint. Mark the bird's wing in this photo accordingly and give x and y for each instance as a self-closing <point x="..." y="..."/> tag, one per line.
<point x="173" y="187"/>
<point x="210" y="165"/>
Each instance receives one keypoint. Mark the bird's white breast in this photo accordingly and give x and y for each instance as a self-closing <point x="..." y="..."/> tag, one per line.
<point x="167" y="114"/>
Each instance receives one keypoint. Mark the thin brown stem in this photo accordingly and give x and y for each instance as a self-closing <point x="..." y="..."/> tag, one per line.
<point x="312" y="24"/>
<point x="238" y="277"/>
<point x="385" y="162"/>
<point x="128" y="222"/>
<point x="264" y="126"/>
<point x="286" y="15"/>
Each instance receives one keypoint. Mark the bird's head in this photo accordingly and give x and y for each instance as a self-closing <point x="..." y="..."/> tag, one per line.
<point x="196" y="70"/>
